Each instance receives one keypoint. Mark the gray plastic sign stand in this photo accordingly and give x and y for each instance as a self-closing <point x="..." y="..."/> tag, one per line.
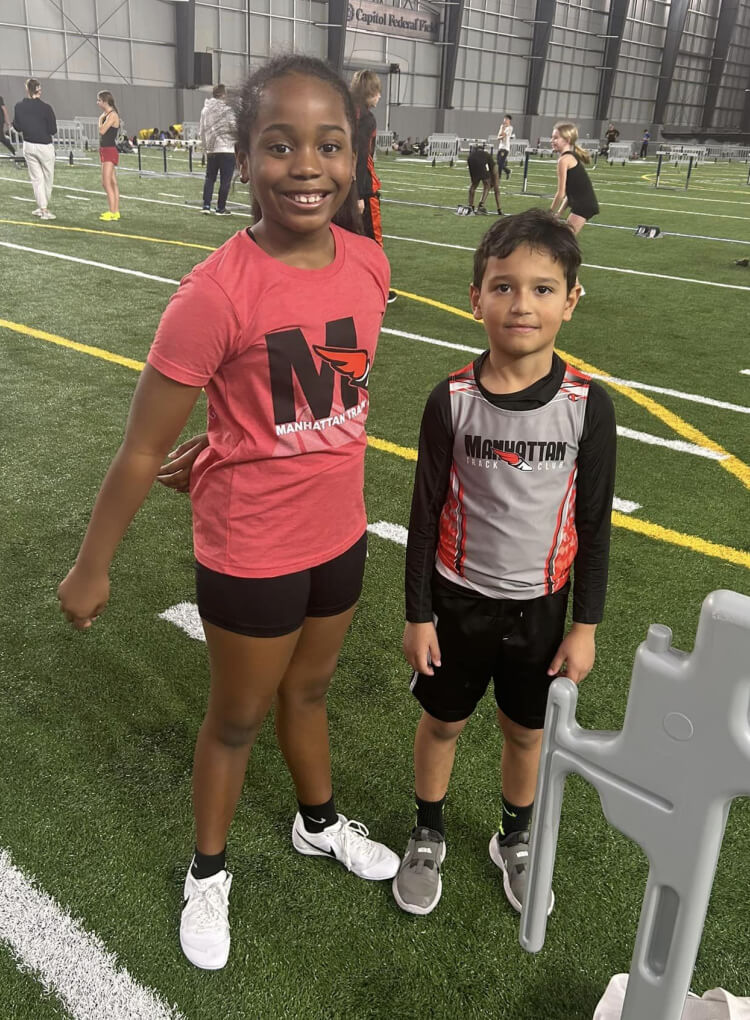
<point x="666" y="781"/>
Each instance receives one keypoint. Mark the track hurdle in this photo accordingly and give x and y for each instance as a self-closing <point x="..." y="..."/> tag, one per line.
<point x="690" y="159"/>
<point x="667" y="781"/>
<point x="443" y="148"/>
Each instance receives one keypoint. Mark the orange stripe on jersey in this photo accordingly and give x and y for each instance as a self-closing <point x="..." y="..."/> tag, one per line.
<point x="550" y="567"/>
<point x="377" y="223"/>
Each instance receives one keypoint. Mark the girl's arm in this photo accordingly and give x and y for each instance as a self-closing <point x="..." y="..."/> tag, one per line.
<point x="106" y="121"/>
<point x="158" y="412"/>
<point x="561" y="198"/>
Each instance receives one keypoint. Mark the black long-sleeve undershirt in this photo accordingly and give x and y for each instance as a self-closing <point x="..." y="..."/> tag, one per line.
<point x="594" y="490"/>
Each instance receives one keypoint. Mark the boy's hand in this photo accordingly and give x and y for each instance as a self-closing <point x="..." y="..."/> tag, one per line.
<point x="175" y="474"/>
<point x="83" y="596"/>
<point x="575" y="656"/>
<point x="421" y="647"/>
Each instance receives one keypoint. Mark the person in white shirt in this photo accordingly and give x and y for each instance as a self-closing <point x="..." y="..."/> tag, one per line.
<point x="217" y="133"/>
<point x="504" y="136"/>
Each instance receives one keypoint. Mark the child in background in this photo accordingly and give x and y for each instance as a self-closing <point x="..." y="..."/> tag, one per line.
<point x="504" y="136"/>
<point x="482" y="170"/>
<point x="513" y="488"/>
<point x="574" y="187"/>
<point x="280" y="326"/>
<point x="366" y="91"/>
<point x="109" y="156"/>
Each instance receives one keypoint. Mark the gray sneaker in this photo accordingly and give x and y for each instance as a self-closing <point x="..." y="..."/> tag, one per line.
<point x="417" y="886"/>
<point x="511" y="855"/>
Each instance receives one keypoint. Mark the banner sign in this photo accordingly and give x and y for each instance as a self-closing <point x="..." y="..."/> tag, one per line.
<point x="384" y="19"/>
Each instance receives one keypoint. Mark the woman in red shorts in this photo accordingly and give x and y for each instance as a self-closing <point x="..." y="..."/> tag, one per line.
<point x="109" y="125"/>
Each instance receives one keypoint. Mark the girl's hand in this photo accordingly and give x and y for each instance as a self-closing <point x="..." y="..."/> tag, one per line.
<point x="83" y="595"/>
<point x="421" y="647"/>
<point x="175" y="474"/>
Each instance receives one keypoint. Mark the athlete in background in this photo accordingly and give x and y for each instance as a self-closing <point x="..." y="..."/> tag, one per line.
<point x="366" y="91"/>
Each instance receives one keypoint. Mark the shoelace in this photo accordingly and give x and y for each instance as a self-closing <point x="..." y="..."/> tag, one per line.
<point x="207" y="908"/>
<point x="355" y="834"/>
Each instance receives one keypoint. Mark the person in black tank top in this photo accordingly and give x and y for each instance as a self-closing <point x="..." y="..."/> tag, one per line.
<point x="109" y="125"/>
<point x="574" y="187"/>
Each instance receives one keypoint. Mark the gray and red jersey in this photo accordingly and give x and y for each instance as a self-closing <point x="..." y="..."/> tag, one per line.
<point x="507" y="529"/>
<point x="512" y="490"/>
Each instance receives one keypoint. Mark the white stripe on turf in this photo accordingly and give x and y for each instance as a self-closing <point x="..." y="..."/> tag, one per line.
<point x="679" y="445"/>
<point x="89" y="262"/>
<point x="67" y="960"/>
<point x="695" y="398"/>
<point x="625" y="506"/>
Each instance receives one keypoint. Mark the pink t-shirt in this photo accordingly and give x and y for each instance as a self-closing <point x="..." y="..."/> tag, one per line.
<point x="284" y="355"/>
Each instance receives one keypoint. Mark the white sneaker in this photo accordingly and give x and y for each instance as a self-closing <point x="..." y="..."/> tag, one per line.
<point x="36" y="212"/>
<point x="204" y="926"/>
<point x="347" y="841"/>
<point x="45" y="214"/>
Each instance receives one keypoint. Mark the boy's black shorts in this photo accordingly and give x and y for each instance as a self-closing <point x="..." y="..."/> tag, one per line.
<point x="509" y="641"/>
<point x="273" y="606"/>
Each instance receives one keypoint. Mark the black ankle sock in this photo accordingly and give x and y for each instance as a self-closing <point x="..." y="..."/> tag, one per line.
<point x="430" y="814"/>
<point x="514" y="818"/>
<point x="206" y="865"/>
<point x="316" y="817"/>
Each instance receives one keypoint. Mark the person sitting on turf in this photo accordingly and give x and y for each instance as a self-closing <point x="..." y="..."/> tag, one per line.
<point x="482" y="168"/>
<point x="513" y="488"/>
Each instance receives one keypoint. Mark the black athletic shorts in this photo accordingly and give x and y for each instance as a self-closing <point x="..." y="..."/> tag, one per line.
<point x="478" y="170"/>
<point x="506" y="640"/>
<point x="272" y="606"/>
<point x="587" y="212"/>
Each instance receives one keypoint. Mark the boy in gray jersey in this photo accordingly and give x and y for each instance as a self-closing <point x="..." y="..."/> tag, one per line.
<point x="513" y="488"/>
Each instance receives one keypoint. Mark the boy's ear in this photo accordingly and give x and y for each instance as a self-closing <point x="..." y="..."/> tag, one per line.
<point x="475" y="304"/>
<point x="574" y="296"/>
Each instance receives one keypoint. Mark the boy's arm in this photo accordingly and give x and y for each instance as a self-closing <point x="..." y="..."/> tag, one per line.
<point x="431" y="481"/>
<point x="595" y="488"/>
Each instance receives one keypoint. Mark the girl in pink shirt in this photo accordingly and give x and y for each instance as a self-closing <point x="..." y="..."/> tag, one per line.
<point x="279" y="326"/>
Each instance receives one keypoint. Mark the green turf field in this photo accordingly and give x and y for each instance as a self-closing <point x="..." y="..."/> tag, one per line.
<point x="97" y="730"/>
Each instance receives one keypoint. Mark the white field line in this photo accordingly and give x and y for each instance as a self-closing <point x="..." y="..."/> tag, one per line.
<point x="585" y="265"/>
<point x="131" y="198"/>
<point x="611" y="186"/>
<point x="89" y="262"/>
<point x="77" y="198"/>
<point x="185" y="616"/>
<point x="67" y="960"/>
<point x="168" y="194"/>
<point x="678" y="445"/>
<point x="694" y="397"/>
<point x="745" y="371"/>
<point x="17" y="198"/>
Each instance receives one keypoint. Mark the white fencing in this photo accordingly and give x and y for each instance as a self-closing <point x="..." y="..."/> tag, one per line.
<point x="443" y="148"/>
<point x="90" y="130"/>
<point x="619" y="152"/>
<point x="518" y="147"/>
<point x="384" y="141"/>
<point x="70" y="136"/>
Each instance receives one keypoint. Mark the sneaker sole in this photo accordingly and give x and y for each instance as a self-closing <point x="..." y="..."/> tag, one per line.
<point x="305" y="848"/>
<point x="414" y="908"/>
<point x="497" y="859"/>
<point x="203" y="960"/>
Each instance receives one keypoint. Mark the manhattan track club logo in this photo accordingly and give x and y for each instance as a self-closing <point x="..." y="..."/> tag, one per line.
<point x="352" y="365"/>
<point x="514" y="459"/>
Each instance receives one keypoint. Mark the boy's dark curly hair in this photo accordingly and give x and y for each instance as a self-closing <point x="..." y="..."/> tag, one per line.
<point x="538" y="229"/>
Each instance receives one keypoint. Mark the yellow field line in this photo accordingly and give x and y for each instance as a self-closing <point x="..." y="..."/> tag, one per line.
<point x="52" y="338"/>
<point x="619" y="520"/>
<point x="729" y="462"/>
<point x="109" y="233"/>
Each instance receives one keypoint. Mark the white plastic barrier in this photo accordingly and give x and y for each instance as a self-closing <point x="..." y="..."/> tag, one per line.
<point x="70" y="136"/>
<point x="619" y="152"/>
<point x="518" y="147"/>
<point x="90" y="130"/>
<point x="384" y="141"/>
<point x="190" y="130"/>
<point x="443" y="148"/>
